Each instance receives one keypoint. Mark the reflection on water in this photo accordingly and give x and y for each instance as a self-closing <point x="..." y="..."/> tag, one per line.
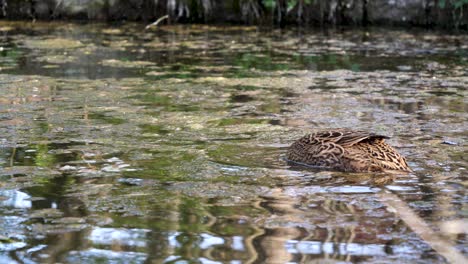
<point x="15" y="199"/>
<point x="345" y="249"/>
<point x="120" y="145"/>
<point x="127" y="237"/>
<point x="95" y="255"/>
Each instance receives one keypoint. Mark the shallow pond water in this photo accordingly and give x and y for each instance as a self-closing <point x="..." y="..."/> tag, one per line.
<point x="120" y="145"/>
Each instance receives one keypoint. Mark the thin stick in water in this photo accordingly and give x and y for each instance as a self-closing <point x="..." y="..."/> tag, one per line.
<point x="154" y="24"/>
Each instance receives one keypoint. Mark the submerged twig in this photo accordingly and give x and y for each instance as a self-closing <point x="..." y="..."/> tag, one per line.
<point x="4" y="6"/>
<point x="441" y="245"/>
<point x="154" y="24"/>
<point x="57" y="5"/>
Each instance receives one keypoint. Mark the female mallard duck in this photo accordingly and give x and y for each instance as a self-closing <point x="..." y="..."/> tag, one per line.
<point x="347" y="150"/>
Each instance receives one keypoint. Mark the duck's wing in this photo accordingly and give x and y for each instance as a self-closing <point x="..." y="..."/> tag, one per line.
<point x="316" y="152"/>
<point x="343" y="137"/>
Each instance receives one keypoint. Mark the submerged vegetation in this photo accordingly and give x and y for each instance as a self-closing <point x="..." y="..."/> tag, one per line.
<point x="429" y="13"/>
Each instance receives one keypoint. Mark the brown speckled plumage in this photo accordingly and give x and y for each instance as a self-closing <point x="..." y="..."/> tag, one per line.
<point x="347" y="150"/>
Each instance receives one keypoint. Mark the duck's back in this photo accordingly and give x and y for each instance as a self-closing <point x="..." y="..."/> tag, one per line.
<point x="346" y="150"/>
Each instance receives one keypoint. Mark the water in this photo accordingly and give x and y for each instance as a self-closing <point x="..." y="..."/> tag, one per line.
<point x="120" y="145"/>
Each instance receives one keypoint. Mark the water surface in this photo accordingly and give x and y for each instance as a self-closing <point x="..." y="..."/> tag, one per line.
<point x="120" y="145"/>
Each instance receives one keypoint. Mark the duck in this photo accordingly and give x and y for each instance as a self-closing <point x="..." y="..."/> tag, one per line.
<point x="346" y="150"/>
